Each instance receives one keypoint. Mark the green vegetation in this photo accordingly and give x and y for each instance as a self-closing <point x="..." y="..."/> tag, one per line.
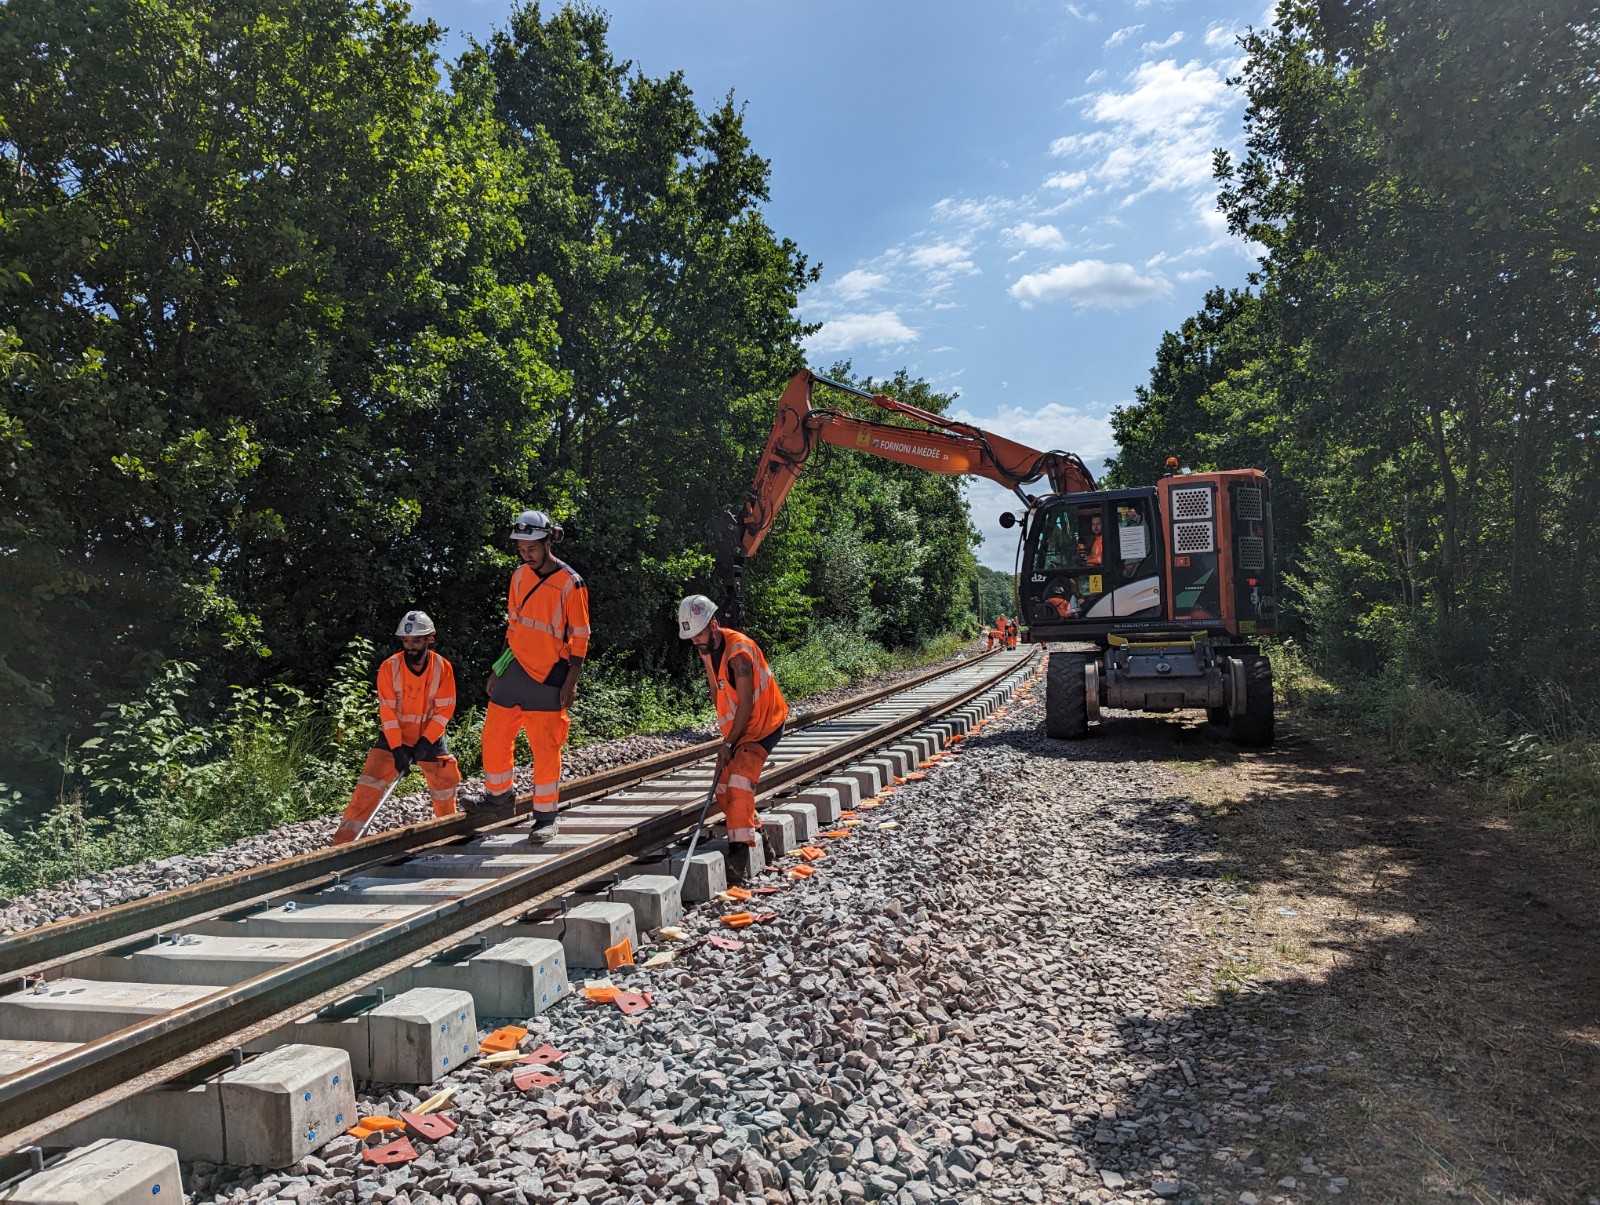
<point x="1415" y="365"/>
<point x="294" y="316"/>
<point x="1545" y="771"/>
<point x="152" y="784"/>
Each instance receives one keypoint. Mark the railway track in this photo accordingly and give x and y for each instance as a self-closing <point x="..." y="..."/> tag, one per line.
<point x="226" y="966"/>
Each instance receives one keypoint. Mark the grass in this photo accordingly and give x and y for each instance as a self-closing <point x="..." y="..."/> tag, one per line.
<point x="1545" y="775"/>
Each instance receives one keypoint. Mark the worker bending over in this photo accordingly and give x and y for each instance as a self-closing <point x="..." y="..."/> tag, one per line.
<point x="750" y="711"/>
<point x="536" y="679"/>
<point x="416" y="698"/>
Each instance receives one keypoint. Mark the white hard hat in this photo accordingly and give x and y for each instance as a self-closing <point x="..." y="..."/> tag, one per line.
<point x="694" y="613"/>
<point x="415" y="623"/>
<point x="533" y="525"/>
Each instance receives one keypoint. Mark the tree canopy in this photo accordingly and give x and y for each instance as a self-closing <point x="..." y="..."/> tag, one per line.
<point x="294" y="316"/>
<point x="1417" y="357"/>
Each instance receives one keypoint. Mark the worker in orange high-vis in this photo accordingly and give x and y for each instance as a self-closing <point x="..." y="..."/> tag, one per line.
<point x="416" y="698"/>
<point x="750" y="711"/>
<point x="988" y="635"/>
<point x="536" y="679"/>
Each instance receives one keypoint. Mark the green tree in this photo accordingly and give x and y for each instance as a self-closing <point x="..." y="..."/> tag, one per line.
<point x="676" y="322"/>
<point x="1419" y="175"/>
<point x="251" y="253"/>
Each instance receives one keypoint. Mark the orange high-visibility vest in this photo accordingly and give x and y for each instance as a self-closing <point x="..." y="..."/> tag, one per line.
<point x="547" y="618"/>
<point x="768" y="709"/>
<point x="415" y="706"/>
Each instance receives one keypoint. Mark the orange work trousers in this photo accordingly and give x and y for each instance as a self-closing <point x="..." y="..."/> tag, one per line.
<point x="443" y="776"/>
<point x="736" y="792"/>
<point x="547" y="732"/>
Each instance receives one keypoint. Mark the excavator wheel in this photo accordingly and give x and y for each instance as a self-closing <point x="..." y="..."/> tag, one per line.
<point x="1066" y="709"/>
<point x="1255" y="727"/>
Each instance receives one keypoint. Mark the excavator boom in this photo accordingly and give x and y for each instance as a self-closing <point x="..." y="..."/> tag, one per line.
<point x="952" y="447"/>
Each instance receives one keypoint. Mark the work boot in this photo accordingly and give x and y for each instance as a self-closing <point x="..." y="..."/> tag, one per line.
<point x="500" y="804"/>
<point x="543" y="827"/>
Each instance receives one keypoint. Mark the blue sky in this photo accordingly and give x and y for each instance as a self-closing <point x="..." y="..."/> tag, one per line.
<point x="1011" y="199"/>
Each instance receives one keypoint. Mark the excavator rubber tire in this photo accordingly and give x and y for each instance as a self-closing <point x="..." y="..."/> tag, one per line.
<point x="1256" y="727"/>
<point x="1066" y="711"/>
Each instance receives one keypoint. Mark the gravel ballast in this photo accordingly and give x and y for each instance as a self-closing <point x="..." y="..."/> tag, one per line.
<point x="987" y="993"/>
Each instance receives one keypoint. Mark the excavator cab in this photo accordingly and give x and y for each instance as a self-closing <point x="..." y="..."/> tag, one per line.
<point x="1090" y="563"/>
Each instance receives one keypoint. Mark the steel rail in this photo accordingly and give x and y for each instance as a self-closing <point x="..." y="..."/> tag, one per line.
<point x="34" y="951"/>
<point x="54" y="1093"/>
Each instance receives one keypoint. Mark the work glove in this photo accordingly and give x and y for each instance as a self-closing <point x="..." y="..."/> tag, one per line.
<point x="403" y="756"/>
<point x="425" y="750"/>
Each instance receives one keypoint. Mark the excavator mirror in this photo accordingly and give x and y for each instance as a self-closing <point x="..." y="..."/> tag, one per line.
<point x="1007" y="519"/>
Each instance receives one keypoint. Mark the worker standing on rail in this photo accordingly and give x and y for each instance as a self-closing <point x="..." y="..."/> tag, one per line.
<point x="750" y="711"/>
<point x="536" y="679"/>
<point x="416" y="698"/>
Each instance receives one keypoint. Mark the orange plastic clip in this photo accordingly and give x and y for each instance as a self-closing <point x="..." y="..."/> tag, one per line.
<point x="916" y="775"/>
<point x="802" y="872"/>
<point x="600" y="995"/>
<point x="739" y="920"/>
<point x="845" y="815"/>
<point x="738" y="893"/>
<point x="505" y="1038"/>
<point x="810" y="853"/>
<point x="619" y="955"/>
<point x="374" y="1124"/>
<point x="837" y="833"/>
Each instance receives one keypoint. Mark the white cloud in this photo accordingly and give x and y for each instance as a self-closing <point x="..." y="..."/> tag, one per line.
<point x="1222" y="37"/>
<point x="973" y="213"/>
<point x="1091" y="282"/>
<point x="1072" y="144"/>
<point x="883" y="329"/>
<point x="1067" y="181"/>
<point x="1052" y="427"/>
<point x="1119" y="36"/>
<point x="1095" y="76"/>
<point x="1173" y="40"/>
<point x="1082" y="15"/>
<point x="944" y="260"/>
<point x="1162" y="128"/>
<point x="1190" y="275"/>
<point x="857" y="283"/>
<point x="1038" y="238"/>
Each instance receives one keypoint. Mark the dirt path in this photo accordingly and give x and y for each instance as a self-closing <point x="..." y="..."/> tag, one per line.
<point x="1436" y="971"/>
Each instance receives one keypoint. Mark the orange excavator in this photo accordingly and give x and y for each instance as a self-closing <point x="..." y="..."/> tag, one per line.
<point x="1157" y="590"/>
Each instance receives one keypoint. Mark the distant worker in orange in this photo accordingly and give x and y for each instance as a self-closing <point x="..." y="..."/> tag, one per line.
<point x="988" y="635"/>
<point x="750" y="711"/>
<point x="416" y="698"/>
<point x="535" y="680"/>
<point x="1013" y="632"/>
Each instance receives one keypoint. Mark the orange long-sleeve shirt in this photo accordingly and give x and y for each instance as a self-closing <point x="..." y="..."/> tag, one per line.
<point x="415" y="706"/>
<point x="547" y="618"/>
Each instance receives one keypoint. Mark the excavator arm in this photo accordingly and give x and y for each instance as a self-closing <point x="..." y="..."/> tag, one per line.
<point x="950" y="447"/>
